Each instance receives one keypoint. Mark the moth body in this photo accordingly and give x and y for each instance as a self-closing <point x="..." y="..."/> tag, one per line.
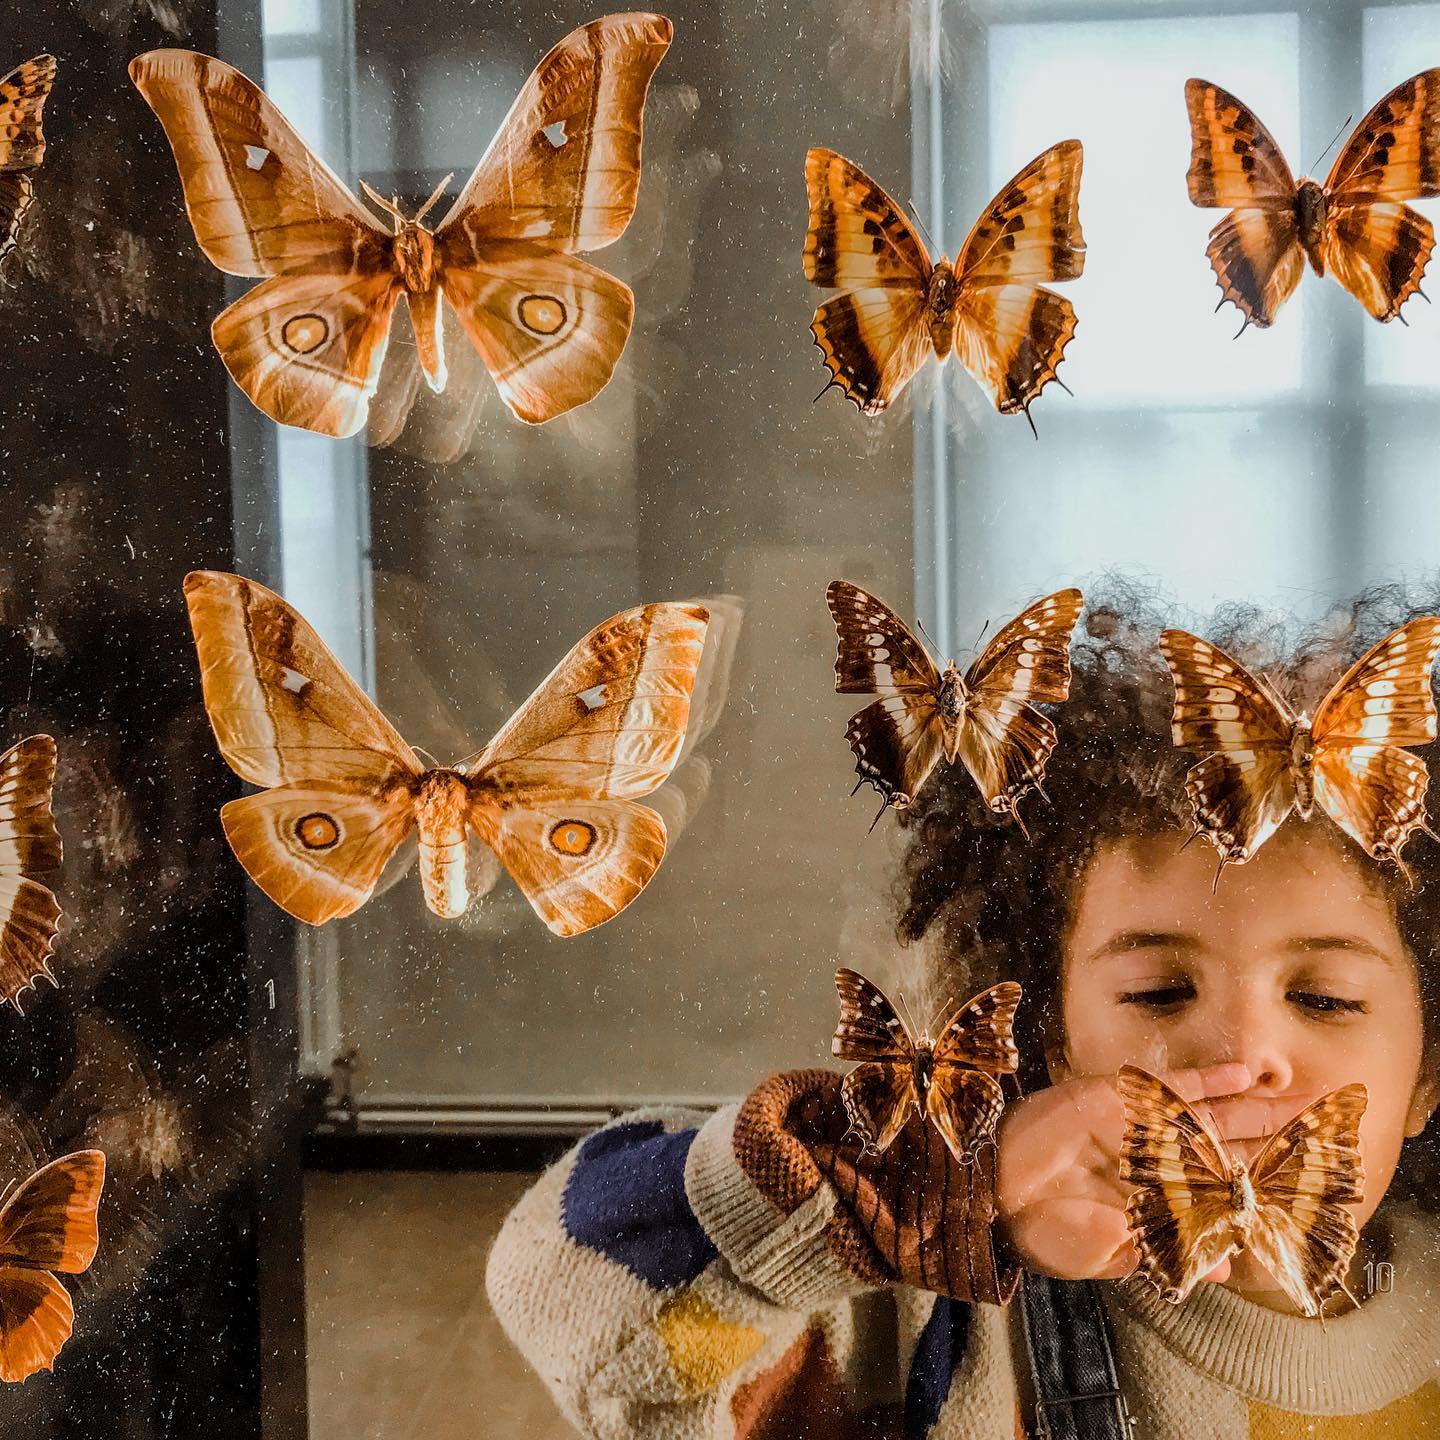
<point x="941" y="307"/>
<point x="922" y="1067"/>
<point x="1310" y="220"/>
<point x="416" y="259"/>
<point x="442" y="802"/>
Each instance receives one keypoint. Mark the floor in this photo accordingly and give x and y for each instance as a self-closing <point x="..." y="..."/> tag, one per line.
<point x="402" y="1342"/>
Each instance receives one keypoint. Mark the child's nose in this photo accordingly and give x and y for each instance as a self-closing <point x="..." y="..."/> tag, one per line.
<point x="1262" y="1047"/>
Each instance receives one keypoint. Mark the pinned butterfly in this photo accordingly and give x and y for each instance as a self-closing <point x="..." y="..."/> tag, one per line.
<point x="1197" y="1203"/>
<point x="900" y="307"/>
<point x="1356" y="226"/>
<point x="561" y="175"/>
<point x="23" y="93"/>
<point x="553" y="795"/>
<point x="986" y="717"/>
<point x="29" y="846"/>
<point x="48" y="1228"/>
<point x="950" y="1081"/>
<point x="1262" y="760"/>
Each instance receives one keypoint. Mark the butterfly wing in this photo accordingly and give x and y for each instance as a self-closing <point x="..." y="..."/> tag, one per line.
<point x="1181" y="1219"/>
<point x="897" y="740"/>
<point x="550" y="793"/>
<point x="964" y="1106"/>
<point x="562" y="175"/>
<point x="28" y="843"/>
<point x="36" y="1318"/>
<point x="874" y="337"/>
<point x="305" y="348"/>
<point x="1375" y="245"/>
<point x="49" y="1222"/>
<point x="1012" y="331"/>
<point x="1374" y="791"/>
<point x="1003" y="740"/>
<point x="880" y="1093"/>
<point x="1304" y="1179"/>
<point x="1242" y="790"/>
<point x="23" y="93"/>
<point x="286" y="715"/>
<point x="1236" y="164"/>
<point x="963" y="1100"/>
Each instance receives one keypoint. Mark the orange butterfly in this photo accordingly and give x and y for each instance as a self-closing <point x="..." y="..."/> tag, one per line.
<point x="1356" y="225"/>
<point x="552" y="795"/>
<point x="1197" y="1203"/>
<point x="950" y="1080"/>
<point x="989" y="307"/>
<point x="29" y="842"/>
<point x="561" y="175"/>
<point x="23" y="93"/>
<point x="48" y="1227"/>
<point x="985" y="718"/>
<point x="1263" y="760"/>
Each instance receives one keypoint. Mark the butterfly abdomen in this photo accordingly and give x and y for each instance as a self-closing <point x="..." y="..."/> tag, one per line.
<point x="941" y="308"/>
<point x="1310" y="212"/>
<point x="442" y="803"/>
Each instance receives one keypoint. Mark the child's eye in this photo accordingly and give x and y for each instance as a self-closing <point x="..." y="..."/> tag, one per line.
<point x="1160" y="997"/>
<point x="1319" y="1004"/>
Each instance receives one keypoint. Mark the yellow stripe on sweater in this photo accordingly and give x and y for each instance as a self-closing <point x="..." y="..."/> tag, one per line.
<point x="1416" y="1417"/>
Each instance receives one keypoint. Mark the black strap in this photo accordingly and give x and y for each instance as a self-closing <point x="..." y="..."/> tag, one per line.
<point x="1072" y="1360"/>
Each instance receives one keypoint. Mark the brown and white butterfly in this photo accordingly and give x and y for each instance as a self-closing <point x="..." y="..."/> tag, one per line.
<point x="561" y="175"/>
<point x="29" y="845"/>
<point x="989" y="307"/>
<point x="1356" y="226"/>
<point x="23" y="93"/>
<point x="552" y="795"/>
<point x="48" y="1227"/>
<point x="1198" y="1203"/>
<point x="985" y="717"/>
<point x="949" y="1081"/>
<point x="1262" y="760"/>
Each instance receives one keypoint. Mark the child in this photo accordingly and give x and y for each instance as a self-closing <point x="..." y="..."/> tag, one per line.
<point x="751" y="1274"/>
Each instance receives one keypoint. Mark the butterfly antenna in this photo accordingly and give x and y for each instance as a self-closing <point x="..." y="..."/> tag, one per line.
<point x="942" y="1014"/>
<point x="1333" y="139"/>
<point x="435" y="194"/>
<point x="921" y="624"/>
<point x="929" y="239"/>
<point x="909" y="1018"/>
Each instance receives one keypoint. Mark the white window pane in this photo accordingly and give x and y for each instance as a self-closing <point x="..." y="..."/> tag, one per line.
<point x="291" y="17"/>
<point x="1147" y="331"/>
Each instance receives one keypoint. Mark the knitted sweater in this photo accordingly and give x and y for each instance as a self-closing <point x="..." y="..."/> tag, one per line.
<point x="683" y="1278"/>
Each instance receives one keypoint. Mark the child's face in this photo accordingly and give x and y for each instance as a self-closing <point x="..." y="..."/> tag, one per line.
<point x="1293" y="966"/>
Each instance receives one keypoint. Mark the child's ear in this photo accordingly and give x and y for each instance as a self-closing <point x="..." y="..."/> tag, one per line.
<point x="1423" y="1101"/>
<point x="1057" y="1062"/>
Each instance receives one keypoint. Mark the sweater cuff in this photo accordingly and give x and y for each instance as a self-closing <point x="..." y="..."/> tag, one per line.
<point x="787" y="1257"/>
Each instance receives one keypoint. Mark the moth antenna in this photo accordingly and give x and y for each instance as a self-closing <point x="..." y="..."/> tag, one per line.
<point x="381" y="203"/>
<point x="1333" y="139"/>
<point x="435" y="194"/>
<point x="424" y="754"/>
<point x="929" y="239"/>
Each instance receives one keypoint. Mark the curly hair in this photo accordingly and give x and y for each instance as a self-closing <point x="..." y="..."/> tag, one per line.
<point x="998" y="904"/>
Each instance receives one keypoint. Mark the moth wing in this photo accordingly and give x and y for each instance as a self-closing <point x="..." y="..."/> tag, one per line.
<point x="49" y="1221"/>
<point x="317" y="851"/>
<point x="981" y="1033"/>
<point x="1180" y="1215"/>
<point x="578" y="862"/>
<point x="260" y="200"/>
<point x="878" y="653"/>
<point x="607" y="723"/>
<point x="870" y="1027"/>
<point x="549" y="328"/>
<point x="1305" y="1179"/>
<point x="964" y="1106"/>
<point x="1235" y="163"/>
<point x="282" y="707"/>
<point x="23" y="93"/>
<point x="29" y="842"/>
<point x="307" y="348"/>
<point x="36" y="1318"/>
<point x="879" y="1097"/>
<point x="564" y="166"/>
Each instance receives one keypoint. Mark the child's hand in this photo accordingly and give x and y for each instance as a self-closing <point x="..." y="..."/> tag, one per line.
<point x="1059" y="1194"/>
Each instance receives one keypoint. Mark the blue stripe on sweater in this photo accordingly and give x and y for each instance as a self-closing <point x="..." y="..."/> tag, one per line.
<point x="626" y="1199"/>
<point x="937" y="1353"/>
